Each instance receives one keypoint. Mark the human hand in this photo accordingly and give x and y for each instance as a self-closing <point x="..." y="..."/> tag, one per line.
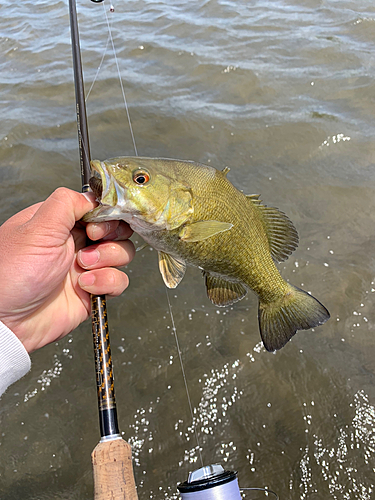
<point x="46" y="271"/>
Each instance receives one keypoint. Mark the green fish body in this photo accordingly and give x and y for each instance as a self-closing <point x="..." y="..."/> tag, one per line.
<point x="192" y="214"/>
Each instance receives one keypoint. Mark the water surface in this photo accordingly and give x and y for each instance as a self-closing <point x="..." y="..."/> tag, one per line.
<point x="280" y="91"/>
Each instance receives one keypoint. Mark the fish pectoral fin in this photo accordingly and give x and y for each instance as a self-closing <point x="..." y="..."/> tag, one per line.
<point x="222" y="292"/>
<point x="199" y="231"/>
<point x="171" y="269"/>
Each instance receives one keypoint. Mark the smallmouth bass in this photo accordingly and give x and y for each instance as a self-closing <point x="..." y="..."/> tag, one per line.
<point x="192" y="214"/>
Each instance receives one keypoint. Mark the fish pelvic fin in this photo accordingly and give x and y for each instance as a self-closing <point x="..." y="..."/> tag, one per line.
<point x="171" y="269"/>
<point x="280" y="320"/>
<point x="222" y="292"/>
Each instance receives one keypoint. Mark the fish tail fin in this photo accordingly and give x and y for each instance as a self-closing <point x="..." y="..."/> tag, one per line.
<point x="280" y="320"/>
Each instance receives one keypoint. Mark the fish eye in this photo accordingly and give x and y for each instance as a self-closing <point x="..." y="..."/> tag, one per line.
<point x="141" y="177"/>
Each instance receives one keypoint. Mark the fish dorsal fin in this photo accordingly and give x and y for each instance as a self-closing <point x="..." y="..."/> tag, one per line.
<point x="198" y="231"/>
<point x="171" y="269"/>
<point x="222" y="292"/>
<point x="225" y="171"/>
<point x="282" y="235"/>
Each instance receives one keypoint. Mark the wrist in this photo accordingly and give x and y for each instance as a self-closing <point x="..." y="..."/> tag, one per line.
<point x="18" y="330"/>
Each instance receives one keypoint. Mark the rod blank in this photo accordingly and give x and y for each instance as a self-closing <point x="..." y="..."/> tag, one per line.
<point x="99" y="317"/>
<point x="111" y="459"/>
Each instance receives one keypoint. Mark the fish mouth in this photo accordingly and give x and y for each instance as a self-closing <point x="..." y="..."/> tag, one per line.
<point x="96" y="185"/>
<point x="97" y="178"/>
<point x="104" y="185"/>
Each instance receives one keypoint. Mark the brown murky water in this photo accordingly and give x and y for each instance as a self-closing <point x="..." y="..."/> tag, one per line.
<point x="283" y="93"/>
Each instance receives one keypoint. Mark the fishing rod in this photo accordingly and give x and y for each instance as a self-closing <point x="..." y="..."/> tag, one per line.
<point x="111" y="458"/>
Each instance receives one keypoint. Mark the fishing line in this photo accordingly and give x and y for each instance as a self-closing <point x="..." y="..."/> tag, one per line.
<point x="265" y="490"/>
<point x="106" y="398"/>
<point x="169" y="304"/>
<point x="110" y="37"/>
<point x="183" y="375"/>
<point x="98" y="70"/>
<point x="83" y="145"/>
<point x="121" y="84"/>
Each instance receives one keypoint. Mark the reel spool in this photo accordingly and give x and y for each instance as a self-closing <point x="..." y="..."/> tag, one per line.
<point x="210" y="483"/>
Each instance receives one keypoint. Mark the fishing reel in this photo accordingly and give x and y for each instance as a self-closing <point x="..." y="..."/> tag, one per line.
<point x="212" y="482"/>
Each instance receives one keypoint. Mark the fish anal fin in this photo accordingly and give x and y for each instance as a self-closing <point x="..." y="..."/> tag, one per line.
<point x="222" y="292"/>
<point x="171" y="269"/>
<point x="280" y="230"/>
<point x="199" y="231"/>
<point x="280" y="320"/>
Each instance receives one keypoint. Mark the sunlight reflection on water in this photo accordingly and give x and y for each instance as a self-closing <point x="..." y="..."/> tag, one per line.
<point x="281" y="92"/>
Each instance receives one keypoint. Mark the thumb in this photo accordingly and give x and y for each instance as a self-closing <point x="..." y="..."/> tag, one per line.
<point x="63" y="208"/>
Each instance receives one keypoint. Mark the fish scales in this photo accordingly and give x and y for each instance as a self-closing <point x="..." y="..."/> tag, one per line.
<point x="248" y="260"/>
<point x="192" y="214"/>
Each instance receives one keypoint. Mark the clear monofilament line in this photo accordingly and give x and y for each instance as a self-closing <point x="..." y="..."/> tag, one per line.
<point x="265" y="490"/>
<point x="93" y="83"/>
<point x="184" y="376"/>
<point x="99" y="68"/>
<point x="136" y="153"/>
<point x="121" y="84"/>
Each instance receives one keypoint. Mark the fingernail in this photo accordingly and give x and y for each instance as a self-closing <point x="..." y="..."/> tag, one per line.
<point x="88" y="257"/>
<point x="94" y="228"/>
<point x="86" y="280"/>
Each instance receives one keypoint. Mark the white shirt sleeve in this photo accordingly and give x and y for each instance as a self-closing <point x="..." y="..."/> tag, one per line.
<point x="14" y="359"/>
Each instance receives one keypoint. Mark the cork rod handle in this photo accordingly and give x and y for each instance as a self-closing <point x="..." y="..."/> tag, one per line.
<point x="113" y="471"/>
